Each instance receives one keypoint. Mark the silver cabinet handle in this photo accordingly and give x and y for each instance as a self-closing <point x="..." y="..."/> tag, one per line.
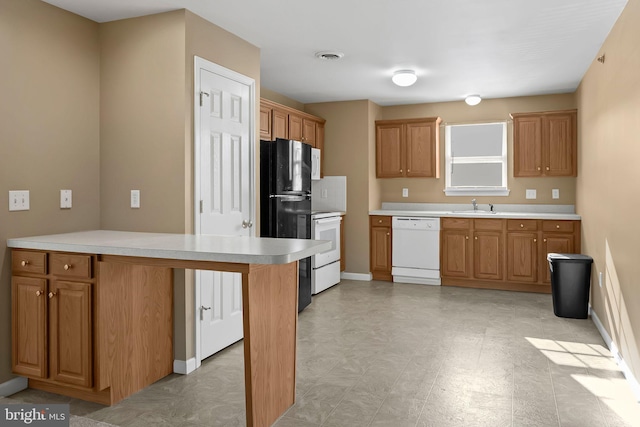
<point x="247" y="224"/>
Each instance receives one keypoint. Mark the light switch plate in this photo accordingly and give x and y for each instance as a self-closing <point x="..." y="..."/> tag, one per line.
<point x="19" y="200"/>
<point x="531" y="194"/>
<point x="555" y="193"/>
<point x="325" y="193"/>
<point x="405" y="192"/>
<point x="135" y="199"/>
<point x="65" y="199"/>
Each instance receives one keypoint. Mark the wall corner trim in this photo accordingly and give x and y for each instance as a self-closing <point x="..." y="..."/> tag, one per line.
<point x="366" y="277"/>
<point x="13" y="386"/>
<point x="184" y="367"/>
<point x="631" y="379"/>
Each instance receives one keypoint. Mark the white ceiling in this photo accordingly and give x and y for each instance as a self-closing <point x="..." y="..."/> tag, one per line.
<point x="494" y="48"/>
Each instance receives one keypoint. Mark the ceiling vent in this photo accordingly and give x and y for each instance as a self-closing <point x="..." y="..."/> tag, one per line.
<point x="329" y="55"/>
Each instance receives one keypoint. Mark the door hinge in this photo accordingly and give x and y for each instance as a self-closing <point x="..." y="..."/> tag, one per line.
<point x="201" y="95"/>
<point x="201" y="207"/>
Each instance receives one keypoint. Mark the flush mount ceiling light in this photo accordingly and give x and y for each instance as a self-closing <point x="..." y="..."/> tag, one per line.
<point x="404" y="77"/>
<point x="473" y="99"/>
<point x="328" y="55"/>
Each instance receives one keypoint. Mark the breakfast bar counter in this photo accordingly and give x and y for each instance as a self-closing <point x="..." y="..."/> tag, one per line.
<point x="92" y="311"/>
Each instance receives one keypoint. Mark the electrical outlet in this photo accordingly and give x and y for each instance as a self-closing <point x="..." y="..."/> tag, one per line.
<point x="324" y="194"/>
<point x="65" y="199"/>
<point x="135" y="199"/>
<point x="555" y="193"/>
<point x="19" y="200"/>
<point x="405" y="192"/>
<point x="530" y="194"/>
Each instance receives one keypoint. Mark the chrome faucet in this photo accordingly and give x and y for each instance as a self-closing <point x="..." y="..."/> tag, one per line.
<point x="475" y="205"/>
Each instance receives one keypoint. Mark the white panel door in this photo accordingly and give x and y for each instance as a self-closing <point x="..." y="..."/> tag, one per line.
<point x="226" y="197"/>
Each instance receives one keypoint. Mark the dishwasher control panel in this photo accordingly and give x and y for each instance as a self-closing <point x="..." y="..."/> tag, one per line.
<point x="415" y="223"/>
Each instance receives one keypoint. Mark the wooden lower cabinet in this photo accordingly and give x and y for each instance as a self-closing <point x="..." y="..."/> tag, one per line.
<point x="380" y="247"/>
<point x="74" y="337"/>
<point x="503" y="253"/>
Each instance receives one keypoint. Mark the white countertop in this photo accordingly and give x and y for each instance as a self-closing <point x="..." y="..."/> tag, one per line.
<point x="482" y="214"/>
<point x="244" y="250"/>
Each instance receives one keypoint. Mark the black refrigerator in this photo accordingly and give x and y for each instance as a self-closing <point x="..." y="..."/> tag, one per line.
<point x="285" y="200"/>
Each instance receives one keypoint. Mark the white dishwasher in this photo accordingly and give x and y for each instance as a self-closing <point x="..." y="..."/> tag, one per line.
<point x="416" y="250"/>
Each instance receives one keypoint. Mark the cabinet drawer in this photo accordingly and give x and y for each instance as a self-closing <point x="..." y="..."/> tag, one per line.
<point x="28" y="262"/>
<point x="380" y="221"/>
<point x="522" y="224"/>
<point x="561" y="226"/>
<point x="70" y="265"/>
<point x="487" y="224"/>
<point x="455" y="223"/>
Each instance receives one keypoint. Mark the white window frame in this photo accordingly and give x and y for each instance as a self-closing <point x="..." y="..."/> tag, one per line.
<point x="481" y="190"/>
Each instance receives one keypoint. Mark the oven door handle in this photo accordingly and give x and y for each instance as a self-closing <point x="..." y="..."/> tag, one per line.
<point x="324" y="221"/>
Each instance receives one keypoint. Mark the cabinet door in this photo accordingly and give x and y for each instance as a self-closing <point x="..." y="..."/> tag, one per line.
<point x="309" y="132"/>
<point x="29" y="330"/>
<point x="390" y="151"/>
<point x="265" y="123"/>
<point x="422" y="150"/>
<point x="70" y="333"/>
<point x="488" y="251"/>
<point x="554" y="243"/>
<point x="560" y="144"/>
<point x="380" y="256"/>
<point x="280" y="128"/>
<point x="455" y="253"/>
<point x="522" y="257"/>
<point x="295" y="127"/>
<point x="527" y="146"/>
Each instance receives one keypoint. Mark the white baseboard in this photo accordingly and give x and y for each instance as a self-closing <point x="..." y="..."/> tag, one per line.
<point x="631" y="379"/>
<point x="356" y="276"/>
<point x="13" y="386"/>
<point x="184" y="367"/>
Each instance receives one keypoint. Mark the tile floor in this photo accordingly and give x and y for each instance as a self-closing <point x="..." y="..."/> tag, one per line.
<point x="395" y="355"/>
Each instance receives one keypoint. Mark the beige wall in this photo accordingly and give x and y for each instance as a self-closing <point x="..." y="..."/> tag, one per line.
<point x="281" y="99"/>
<point x="430" y="190"/>
<point x="49" y="130"/>
<point x="142" y="122"/>
<point x="607" y="188"/>
<point x="346" y="148"/>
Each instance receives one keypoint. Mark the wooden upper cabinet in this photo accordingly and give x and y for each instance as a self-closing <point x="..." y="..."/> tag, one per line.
<point x="389" y="150"/>
<point x="309" y="132"/>
<point x="408" y="148"/>
<point x="422" y="149"/>
<point x="265" y="123"/>
<point x="295" y="127"/>
<point x="280" y="127"/>
<point x="545" y="144"/>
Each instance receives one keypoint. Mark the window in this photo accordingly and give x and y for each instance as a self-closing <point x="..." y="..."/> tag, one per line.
<point x="476" y="159"/>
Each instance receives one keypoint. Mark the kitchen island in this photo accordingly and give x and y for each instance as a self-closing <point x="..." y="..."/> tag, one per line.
<point x="92" y="312"/>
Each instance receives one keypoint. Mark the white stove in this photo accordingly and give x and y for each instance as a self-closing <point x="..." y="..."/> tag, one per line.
<point x="325" y="266"/>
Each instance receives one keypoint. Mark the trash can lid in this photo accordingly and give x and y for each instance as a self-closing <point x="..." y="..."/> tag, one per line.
<point x="570" y="258"/>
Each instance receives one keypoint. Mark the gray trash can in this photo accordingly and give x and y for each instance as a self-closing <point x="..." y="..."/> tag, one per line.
<point x="570" y="282"/>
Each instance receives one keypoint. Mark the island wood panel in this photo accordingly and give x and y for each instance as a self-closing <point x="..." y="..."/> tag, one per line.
<point x="134" y="326"/>
<point x="270" y="316"/>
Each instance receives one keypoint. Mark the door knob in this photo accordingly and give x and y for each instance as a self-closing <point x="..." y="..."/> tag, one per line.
<point x="38" y="293"/>
<point x="246" y="224"/>
<point x="67" y="267"/>
<point x="52" y="294"/>
<point x="24" y="263"/>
